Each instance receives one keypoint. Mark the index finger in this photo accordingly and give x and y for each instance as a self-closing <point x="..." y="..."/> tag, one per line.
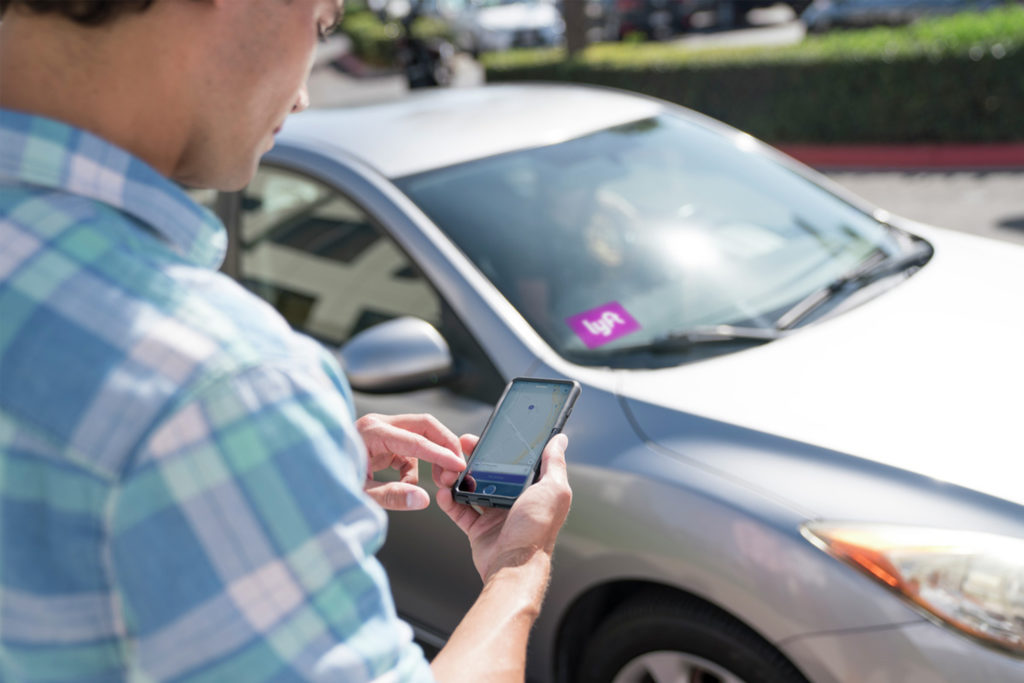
<point x="424" y="437"/>
<point x="430" y="428"/>
<point x="419" y="447"/>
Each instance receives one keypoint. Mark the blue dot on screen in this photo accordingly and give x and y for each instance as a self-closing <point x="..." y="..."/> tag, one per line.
<point x="531" y="406"/>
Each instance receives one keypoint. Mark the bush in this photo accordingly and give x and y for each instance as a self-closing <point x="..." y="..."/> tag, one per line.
<point x="376" y="41"/>
<point x="952" y="79"/>
<point x="373" y="41"/>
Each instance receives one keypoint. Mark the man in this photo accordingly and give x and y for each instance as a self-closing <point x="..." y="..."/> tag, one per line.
<point x="181" y="480"/>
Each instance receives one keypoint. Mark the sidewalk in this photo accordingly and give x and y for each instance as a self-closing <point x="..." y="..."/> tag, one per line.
<point x="331" y="86"/>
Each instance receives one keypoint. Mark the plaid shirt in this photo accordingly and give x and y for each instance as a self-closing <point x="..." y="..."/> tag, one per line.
<point x="180" y="477"/>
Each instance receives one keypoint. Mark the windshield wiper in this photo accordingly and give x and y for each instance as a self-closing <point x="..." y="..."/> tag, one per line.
<point x="702" y="335"/>
<point x="877" y="265"/>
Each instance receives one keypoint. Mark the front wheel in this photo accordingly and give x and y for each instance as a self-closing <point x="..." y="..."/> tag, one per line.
<point x="680" y="639"/>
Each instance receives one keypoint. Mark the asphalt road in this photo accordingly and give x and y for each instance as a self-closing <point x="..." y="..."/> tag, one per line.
<point x="988" y="203"/>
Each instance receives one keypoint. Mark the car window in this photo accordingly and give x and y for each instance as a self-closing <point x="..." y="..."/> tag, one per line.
<point x="321" y="261"/>
<point x="662" y="223"/>
<point x="332" y="271"/>
<point x="207" y="198"/>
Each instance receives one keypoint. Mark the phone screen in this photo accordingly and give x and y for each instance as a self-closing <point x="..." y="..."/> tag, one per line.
<point x="507" y="454"/>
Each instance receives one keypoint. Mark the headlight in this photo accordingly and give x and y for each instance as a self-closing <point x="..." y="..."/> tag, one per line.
<point x="973" y="582"/>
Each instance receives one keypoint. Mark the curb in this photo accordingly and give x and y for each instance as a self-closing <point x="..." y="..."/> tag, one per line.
<point x="951" y="157"/>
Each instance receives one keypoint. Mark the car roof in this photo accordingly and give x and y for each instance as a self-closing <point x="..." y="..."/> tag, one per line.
<point x="442" y="127"/>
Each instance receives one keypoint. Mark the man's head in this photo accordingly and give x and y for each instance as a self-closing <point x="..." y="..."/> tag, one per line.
<point x="257" y="62"/>
<point x="197" y="88"/>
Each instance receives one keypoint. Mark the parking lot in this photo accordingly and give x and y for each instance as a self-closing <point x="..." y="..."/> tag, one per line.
<point x="989" y="203"/>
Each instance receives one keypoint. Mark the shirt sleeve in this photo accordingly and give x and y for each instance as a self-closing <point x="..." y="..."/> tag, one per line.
<point x="242" y="544"/>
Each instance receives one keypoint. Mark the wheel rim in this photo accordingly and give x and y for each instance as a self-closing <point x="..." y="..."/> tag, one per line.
<point x="673" y="667"/>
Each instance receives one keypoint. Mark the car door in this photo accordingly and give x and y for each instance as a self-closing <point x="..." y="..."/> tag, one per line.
<point x="333" y="271"/>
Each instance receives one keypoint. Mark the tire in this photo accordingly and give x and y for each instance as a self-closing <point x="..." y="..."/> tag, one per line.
<point x="680" y="639"/>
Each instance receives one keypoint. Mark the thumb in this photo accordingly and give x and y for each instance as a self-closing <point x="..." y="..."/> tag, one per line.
<point x="397" y="496"/>
<point x="554" y="457"/>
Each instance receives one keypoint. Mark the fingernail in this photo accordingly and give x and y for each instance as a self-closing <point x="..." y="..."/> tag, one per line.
<point x="410" y="500"/>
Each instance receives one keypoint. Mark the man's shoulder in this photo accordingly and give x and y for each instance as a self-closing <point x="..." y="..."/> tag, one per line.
<point x="105" y="332"/>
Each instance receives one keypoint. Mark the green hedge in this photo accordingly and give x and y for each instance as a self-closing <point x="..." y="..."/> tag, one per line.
<point x="954" y="79"/>
<point x="372" y="40"/>
<point x="375" y="41"/>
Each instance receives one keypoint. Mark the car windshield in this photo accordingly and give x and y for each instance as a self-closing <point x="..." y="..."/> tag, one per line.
<point x="629" y="235"/>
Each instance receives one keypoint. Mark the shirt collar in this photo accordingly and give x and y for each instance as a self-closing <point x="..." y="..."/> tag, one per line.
<point x="35" y="150"/>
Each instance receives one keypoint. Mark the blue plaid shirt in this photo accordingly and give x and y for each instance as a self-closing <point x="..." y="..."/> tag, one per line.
<point x="180" y="478"/>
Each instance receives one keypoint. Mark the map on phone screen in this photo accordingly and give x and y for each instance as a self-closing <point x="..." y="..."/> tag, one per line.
<point x="518" y="433"/>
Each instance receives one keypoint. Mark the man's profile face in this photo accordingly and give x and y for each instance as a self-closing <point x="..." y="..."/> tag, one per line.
<point x="256" y="78"/>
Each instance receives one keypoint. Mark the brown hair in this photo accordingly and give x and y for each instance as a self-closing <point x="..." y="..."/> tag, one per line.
<point x="90" y="12"/>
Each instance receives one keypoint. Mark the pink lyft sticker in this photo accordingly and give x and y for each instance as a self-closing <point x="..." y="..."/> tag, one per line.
<point x="603" y="324"/>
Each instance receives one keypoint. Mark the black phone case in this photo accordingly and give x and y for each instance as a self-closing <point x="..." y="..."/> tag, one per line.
<point x="468" y="498"/>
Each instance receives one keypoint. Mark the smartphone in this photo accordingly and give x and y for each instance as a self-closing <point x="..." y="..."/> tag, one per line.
<point x="506" y="460"/>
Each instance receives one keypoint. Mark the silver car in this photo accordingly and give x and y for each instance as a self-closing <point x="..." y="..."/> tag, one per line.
<point x="797" y="455"/>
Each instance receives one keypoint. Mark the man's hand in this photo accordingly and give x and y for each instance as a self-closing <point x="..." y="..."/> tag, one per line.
<point x="400" y="442"/>
<point x="512" y="552"/>
<point x="505" y="538"/>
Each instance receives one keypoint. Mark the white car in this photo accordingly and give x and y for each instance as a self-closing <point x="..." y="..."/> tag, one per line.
<point x="797" y="455"/>
<point x="496" y="25"/>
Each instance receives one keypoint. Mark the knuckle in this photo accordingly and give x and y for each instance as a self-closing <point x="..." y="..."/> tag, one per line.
<point x="564" y="495"/>
<point x="368" y="421"/>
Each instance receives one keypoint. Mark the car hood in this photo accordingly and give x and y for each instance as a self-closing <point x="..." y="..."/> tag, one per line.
<point x="926" y="377"/>
<point x="519" y="16"/>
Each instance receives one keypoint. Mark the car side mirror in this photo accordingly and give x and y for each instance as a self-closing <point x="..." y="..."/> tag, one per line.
<point x="398" y="355"/>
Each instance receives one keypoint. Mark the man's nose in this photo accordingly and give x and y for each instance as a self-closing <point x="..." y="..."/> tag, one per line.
<point x="302" y="101"/>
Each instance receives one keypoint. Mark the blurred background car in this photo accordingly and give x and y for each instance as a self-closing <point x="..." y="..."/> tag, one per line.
<point x="496" y="25"/>
<point x="655" y="19"/>
<point x="798" y="466"/>
<point x="734" y="13"/>
<point x="822" y="15"/>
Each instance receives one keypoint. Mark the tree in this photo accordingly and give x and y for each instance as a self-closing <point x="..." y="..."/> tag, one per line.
<point x="574" y="13"/>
